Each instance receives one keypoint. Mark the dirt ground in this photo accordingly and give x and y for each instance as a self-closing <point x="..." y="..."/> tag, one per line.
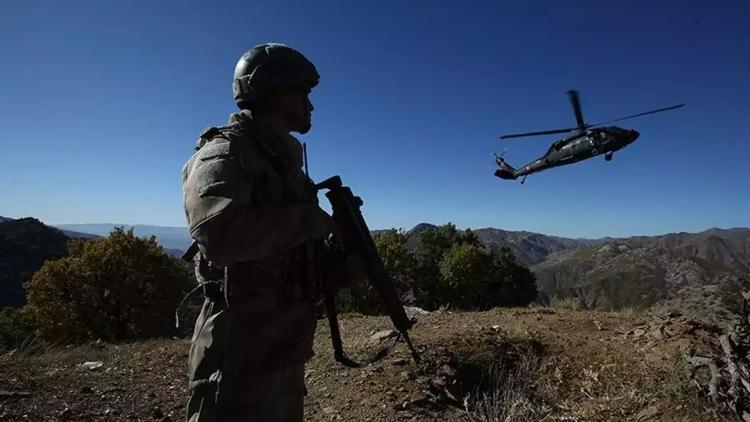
<point x="505" y="364"/>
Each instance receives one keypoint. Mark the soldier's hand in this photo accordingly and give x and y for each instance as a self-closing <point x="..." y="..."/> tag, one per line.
<point x="341" y="269"/>
<point x="323" y="224"/>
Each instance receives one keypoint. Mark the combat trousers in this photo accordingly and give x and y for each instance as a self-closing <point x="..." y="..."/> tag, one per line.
<point x="243" y="366"/>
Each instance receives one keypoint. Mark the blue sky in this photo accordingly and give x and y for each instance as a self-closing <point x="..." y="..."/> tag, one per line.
<point x="101" y="102"/>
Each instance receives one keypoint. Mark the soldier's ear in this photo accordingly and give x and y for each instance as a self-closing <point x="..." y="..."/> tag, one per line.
<point x="277" y="97"/>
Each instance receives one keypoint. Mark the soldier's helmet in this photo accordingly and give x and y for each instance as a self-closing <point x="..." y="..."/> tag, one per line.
<point x="268" y="66"/>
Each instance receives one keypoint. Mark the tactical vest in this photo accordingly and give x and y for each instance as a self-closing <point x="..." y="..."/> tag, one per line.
<point x="267" y="173"/>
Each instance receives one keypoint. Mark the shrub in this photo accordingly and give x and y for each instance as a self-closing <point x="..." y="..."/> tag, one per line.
<point x="400" y="264"/>
<point x="446" y="267"/>
<point x="15" y="328"/>
<point x="512" y="284"/>
<point x="569" y="303"/>
<point x="432" y="245"/>
<point x="116" y="288"/>
<point x="475" y="278"/>
<point x="465" y="272"/>
<point x="455" y="268"/>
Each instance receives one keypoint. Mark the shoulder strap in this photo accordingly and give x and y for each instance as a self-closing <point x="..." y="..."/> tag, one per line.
<point x="206" y="136"/>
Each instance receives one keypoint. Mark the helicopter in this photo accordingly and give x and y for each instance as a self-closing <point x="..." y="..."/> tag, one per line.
<point x="583" y="141"/>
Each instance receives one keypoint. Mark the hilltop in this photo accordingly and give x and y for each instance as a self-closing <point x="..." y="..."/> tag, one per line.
<point x="25" y="244"/>
<point x="531" y="363"/>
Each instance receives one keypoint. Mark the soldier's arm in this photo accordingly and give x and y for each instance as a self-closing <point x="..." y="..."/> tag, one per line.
<point x="247" y="233"/>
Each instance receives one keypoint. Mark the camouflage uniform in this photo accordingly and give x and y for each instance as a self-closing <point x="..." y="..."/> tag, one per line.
<point x="254" y="214"/>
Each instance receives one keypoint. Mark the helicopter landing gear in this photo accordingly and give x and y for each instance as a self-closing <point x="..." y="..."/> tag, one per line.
<point x="608" y="156"/>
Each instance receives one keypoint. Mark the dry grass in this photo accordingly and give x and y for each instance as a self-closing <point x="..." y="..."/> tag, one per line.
<point x="570" y="304"/>
<point x="510" y="394"/>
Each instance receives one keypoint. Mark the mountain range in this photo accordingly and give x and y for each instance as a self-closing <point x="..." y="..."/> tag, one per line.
<point x="699" y="273"/>
<point x="529" y="247"/>
<point x="168" y="237"/>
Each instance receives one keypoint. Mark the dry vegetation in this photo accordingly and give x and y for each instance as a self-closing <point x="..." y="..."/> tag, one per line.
<point x="522" y="364"/>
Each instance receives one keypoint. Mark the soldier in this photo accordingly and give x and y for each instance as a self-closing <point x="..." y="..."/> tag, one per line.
<point x="254" y="215"/>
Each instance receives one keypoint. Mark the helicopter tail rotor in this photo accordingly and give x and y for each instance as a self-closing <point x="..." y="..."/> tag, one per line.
<point x="506" y="171"/>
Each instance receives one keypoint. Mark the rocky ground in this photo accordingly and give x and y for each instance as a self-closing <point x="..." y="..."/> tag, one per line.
<point x="509" y="364"/>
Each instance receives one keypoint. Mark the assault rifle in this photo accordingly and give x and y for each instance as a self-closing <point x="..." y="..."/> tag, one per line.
<point x="356" y="240"/>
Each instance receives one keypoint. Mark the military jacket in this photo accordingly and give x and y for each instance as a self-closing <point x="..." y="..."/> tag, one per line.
<point x="246" y="196"/>
<point x="253" y="210"/>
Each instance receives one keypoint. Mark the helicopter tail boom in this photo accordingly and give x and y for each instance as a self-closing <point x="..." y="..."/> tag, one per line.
<point x="506" y="171"/>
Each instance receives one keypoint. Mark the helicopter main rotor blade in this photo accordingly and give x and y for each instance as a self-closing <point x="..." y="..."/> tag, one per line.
<point x="546" y="132"/>
<point x="575" y="101"/>
<point x="641" y="114"/>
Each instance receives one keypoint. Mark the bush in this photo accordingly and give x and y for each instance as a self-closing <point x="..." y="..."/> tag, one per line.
<point x="15" y="329"/>
<point x="400" y="264"/>
<point x="446" y="267"/>
<point x="475" y="278"/>
<point x="466" y="270"/>
<point x="512" y="283"/>
<point x="432" y="245"/>
<point x="116" y="288"/>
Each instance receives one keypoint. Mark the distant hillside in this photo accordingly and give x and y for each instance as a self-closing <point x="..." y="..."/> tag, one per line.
<point x="79" y="235"/>
<point x="24" y="246"/>
<point x="4" y="219"/>
<point x="701" y="273"/>
<point x="168" y="237"/>
<point x="530" y="248"/>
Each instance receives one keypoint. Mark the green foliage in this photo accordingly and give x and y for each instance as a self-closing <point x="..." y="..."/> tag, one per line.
<point x="400" y="264"/>
<point x="466" y="270"/>
<point x="116" y="288"/>
<point x="15" y="329"/>
<point x="446" y="267"/>
<point x="432" y="245"/>
<point x="475" y="278"/>
<point x="399" y="261"/>
<point x="455" y="268"/>
<point x="512" y="284"/>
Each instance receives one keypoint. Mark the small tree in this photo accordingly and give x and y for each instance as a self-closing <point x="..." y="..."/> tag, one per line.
<point x="512" y="283"/>
<point x="116" y="288"/>
<point x="466" y="270"/>
<point x="15" y="328"/>
<point x="469" y="237"/>
<point x="399" y="263"/>
<point x="432" y="245"/>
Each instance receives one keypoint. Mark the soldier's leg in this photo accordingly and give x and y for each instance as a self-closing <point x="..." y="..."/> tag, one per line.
<point x="204" y="363"/>
<point x="288" y="400"/>
<point x="269" y="396"/>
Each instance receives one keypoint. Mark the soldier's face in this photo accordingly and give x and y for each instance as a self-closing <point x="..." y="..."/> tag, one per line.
<point x="298" y="109"/>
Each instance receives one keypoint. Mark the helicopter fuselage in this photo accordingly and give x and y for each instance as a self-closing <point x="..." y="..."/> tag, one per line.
<point x="578" y="146"/>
